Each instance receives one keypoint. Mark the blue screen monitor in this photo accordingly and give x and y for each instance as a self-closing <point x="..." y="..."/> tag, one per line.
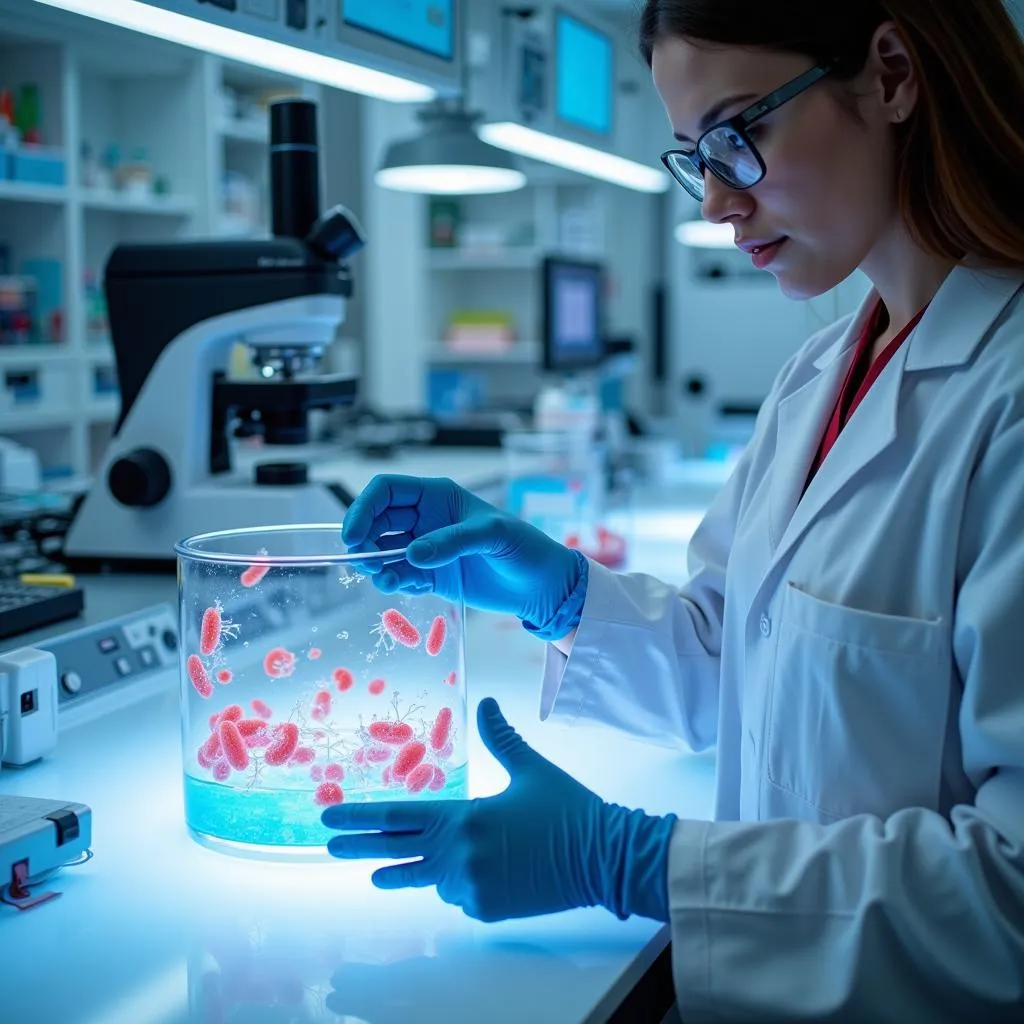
<point x="424" y="25"/>
<point x="584" y="75"/>
<point x="573" y="333"/>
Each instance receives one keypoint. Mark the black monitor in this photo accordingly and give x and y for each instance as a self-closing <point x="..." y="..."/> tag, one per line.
<point x="573" y="332"/>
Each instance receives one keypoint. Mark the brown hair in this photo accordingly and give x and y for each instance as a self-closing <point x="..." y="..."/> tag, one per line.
<point x="960" y="157"/>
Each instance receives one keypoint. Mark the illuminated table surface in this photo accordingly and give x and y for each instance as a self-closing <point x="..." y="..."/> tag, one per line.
<point x="159" y="930"/>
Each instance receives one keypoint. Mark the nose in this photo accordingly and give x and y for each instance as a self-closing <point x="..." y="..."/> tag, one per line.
<point x="722" y="204"/>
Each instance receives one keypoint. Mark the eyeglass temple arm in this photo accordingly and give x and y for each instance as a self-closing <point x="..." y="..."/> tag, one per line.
<point x="785" y="93"/>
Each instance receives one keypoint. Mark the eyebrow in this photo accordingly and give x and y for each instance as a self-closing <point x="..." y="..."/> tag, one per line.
<point x="715" y="113"/>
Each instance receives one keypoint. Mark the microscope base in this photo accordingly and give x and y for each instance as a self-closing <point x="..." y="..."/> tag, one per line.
<point x="109" y="537"/>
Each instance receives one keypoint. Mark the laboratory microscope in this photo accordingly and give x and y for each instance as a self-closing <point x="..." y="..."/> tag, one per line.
<point x="176" y="311"/>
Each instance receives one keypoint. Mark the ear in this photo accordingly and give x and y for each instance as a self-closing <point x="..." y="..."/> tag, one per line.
<point x="890" y="78"/>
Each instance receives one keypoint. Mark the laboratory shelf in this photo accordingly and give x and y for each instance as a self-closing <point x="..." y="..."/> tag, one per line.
<point x="28" y="192"/>
<point x="95" y="353"/>
<point x="252" y="130"/>
<point x="117" y="202"/>
<point x="522" y="352"/>
<point x="485" y="259"/>
<point x="33" y="419"/>
<point x="34" y="355"/>
<point x="101" y="410"/>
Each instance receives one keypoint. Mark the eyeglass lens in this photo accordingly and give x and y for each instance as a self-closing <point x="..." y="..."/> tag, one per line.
<point x="726" y="153"/>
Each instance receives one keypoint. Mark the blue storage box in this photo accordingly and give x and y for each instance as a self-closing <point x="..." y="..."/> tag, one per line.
<point x="4" y="159"/>
<point x="37" y="166"/>
<point x="454" y="393"/>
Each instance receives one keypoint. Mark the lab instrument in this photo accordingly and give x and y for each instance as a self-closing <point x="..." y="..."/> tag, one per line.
<point x="19" y="465"/>
<point x="303" y="685"/>
<point x="28" y="706"/>
<point x="176" y="312"/>
<point x="28" y="606"/>
<point x="37" y="837"/>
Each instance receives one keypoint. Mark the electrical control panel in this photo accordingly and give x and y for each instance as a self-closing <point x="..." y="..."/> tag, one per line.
<point x="114" y="653"/>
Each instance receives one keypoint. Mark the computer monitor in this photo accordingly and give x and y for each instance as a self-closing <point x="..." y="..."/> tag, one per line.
<point x="573" y="334"/>
<point x="427" y="26"/>
<point x="584" y="76"/>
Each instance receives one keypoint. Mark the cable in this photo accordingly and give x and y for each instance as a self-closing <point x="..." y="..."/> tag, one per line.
<point x="45" y="876"/>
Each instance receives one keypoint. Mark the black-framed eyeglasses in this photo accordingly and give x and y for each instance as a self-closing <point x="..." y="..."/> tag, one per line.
<point x="727" y="150"/>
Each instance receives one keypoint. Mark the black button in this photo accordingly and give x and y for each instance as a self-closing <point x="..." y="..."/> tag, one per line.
<point x="170" y="639"/>
<point x="67" y="826"/>
<point x="282" y="474"/>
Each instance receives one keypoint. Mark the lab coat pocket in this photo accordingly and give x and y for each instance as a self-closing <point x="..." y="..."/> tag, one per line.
<point x="858" y="707"/>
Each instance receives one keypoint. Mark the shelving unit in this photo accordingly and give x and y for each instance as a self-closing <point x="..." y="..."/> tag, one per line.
<point x="497" y="266"/>
<point x="26" y="192"/>
<point x="99" y="87"/>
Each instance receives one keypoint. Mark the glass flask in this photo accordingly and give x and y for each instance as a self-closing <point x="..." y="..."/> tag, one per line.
<point x="302" y="686"/>
<point x="560" y="482"/>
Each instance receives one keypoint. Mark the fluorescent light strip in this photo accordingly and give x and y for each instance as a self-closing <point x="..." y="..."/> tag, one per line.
<point x="550" y="149"/>
<point x="702" y="234"/>
<point x="450" y="180"/>
<point x="248" y="49"/>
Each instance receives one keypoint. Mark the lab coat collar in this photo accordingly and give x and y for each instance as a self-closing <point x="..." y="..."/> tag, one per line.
<point x="953" y="327"/>
<point x="957" y="319"/>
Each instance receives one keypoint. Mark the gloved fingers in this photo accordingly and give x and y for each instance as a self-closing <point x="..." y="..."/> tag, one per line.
<point x="391" y="521"/>
<point x="417" y="874"/>
<point x="481" y="535"/>
<point x="377" y="846"/>
<point x="401" y="816"/>
<point x="382" y="492"/>
<point x="510" y="749"/>
<point x="388" y="542"/>
<point x="372" y="566"/>
<point x="404" y="577"/>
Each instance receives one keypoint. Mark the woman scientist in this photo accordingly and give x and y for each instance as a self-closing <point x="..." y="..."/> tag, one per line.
<point x="852" y="631"/>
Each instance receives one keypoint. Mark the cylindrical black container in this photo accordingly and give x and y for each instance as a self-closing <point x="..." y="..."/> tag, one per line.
<point x="294" y="168"/>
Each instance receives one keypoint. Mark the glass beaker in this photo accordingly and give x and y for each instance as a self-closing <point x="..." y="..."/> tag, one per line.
<point x="302" y="685"/>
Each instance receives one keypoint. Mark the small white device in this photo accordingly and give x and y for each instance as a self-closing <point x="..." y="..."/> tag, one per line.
<point x="28" y="706"/>
<point x="37" y="838"/>
<point x="19" y="467"/>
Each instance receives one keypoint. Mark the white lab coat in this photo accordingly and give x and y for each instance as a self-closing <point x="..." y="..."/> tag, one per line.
<point x="857" y="653"/>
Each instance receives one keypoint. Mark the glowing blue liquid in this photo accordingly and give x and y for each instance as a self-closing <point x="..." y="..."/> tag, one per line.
<point x="285" y="817"/>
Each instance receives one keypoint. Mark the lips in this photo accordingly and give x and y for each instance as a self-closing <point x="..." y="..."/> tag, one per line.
<point x="754" y="246"/>
<point x="764" y="255"/>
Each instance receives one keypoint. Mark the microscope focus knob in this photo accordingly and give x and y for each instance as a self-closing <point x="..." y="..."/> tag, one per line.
<point x="140" y="479"/>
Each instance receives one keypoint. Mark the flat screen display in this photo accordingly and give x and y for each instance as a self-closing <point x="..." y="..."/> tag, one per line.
<point x="573" y="306"/>
<point x="424" y="25"/>
<point x="584" y="75"/>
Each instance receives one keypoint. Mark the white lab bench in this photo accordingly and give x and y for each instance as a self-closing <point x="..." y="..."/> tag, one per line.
<point x="157" y="929"/>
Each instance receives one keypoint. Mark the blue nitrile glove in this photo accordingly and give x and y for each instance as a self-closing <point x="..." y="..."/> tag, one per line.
<point x="545" y="844"/>
<point x="506" y="565"/>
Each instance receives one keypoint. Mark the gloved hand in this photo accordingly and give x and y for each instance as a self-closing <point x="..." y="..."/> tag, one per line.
<point x="544" y="845"/>
<point x="460" y="546"/>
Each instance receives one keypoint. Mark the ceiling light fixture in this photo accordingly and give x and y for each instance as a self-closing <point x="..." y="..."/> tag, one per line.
<point x="574" y="156"/>
<point x="248" y="49"/>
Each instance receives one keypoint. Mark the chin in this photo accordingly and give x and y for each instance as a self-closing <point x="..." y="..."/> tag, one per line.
<point x="802" y="288"/>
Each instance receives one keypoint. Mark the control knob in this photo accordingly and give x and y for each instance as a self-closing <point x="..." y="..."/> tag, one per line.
<point x="140" y="479"/>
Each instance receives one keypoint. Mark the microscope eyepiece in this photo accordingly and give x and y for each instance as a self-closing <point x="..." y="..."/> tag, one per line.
<point x="294" y="168"/>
